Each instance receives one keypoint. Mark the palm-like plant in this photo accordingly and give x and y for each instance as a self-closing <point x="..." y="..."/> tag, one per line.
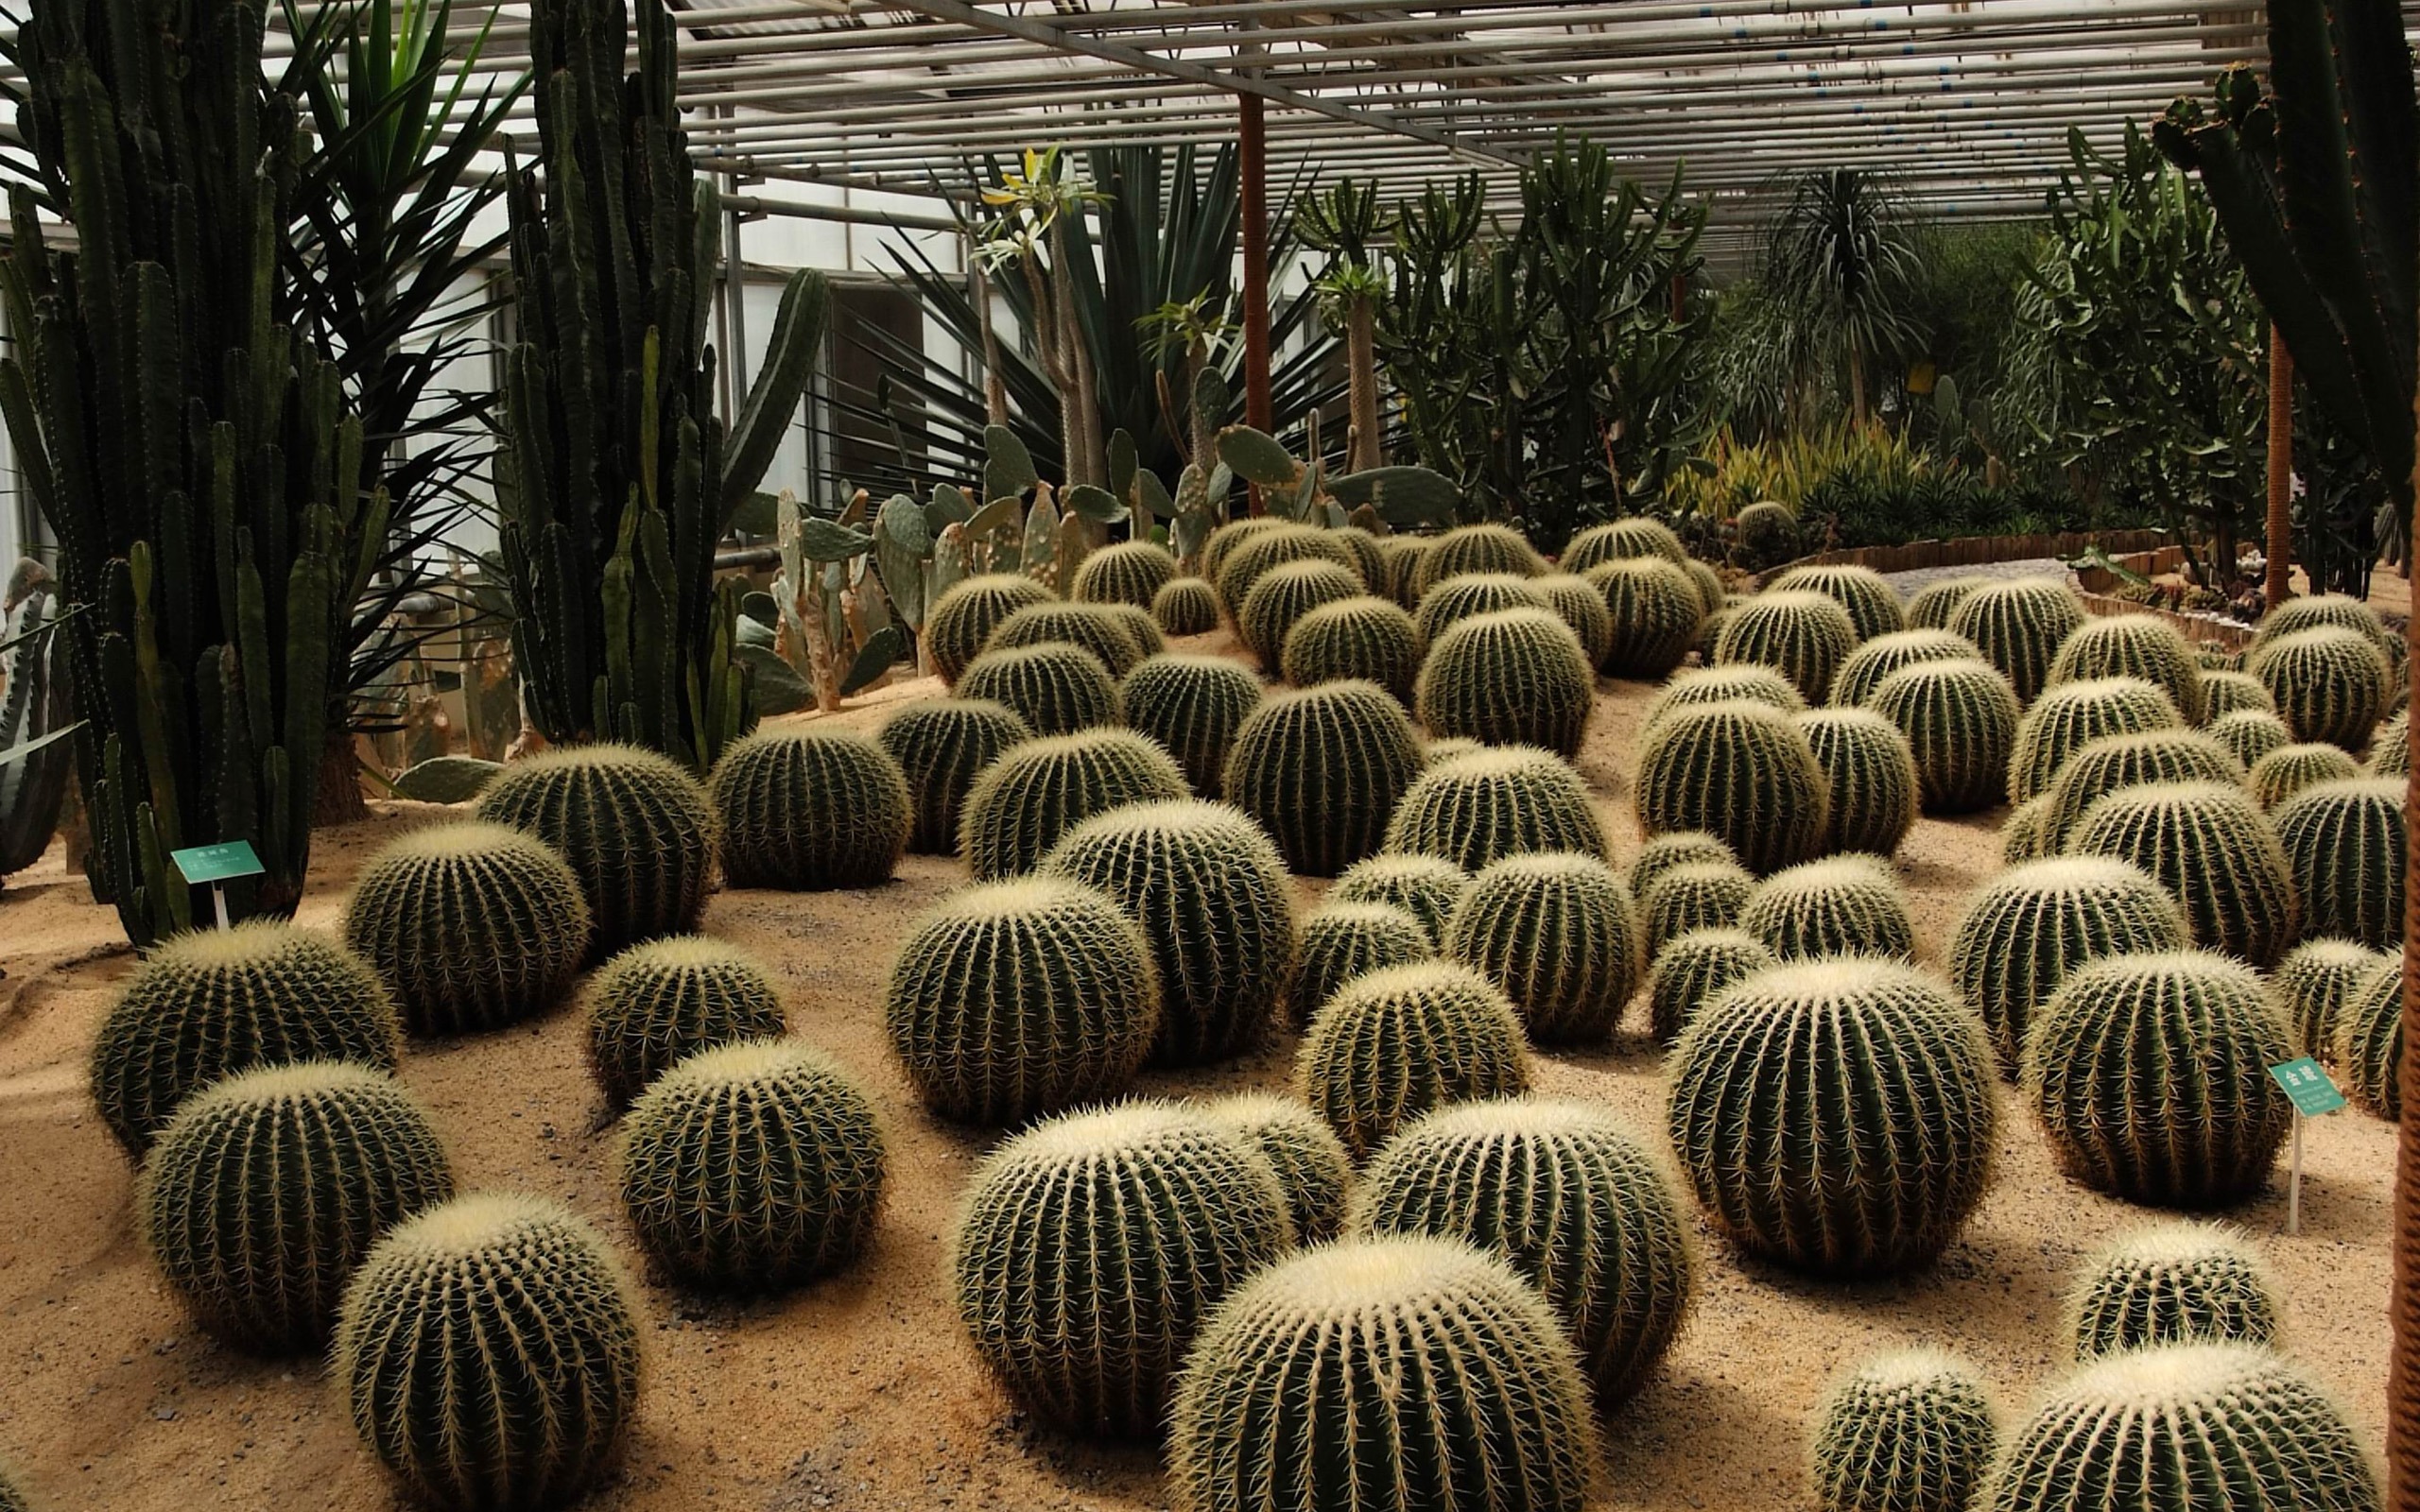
<point x="1839" y="262"/>
<point x="1344" y="223"/>
<point x="1036" y="204"/>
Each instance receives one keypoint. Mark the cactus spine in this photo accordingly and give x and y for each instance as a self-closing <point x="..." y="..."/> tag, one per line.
<point x="1700" y="686"/>
<point x="1960" y="718"/>
<point x="1239" y="570"/>
<point x="2226" y="692"/>
<point x="2212" y="848"/>
<point x="1853" y="685"/>
<point x="655" y="1004"/>
<point x="1395" y="1042"/>
<point x="636" y="827"/>
<point x="2116" y="762"/>
<point x="1692" y="969"/>
<point x="1559" y="933"/>
<point x="2344" y="841"/>
<point x="2330" y="684"/>
<point x="1456" y="599"/>
<point x="1424" y="887"/>
<point x="2070" y="716"/>
<point x="1801" y="634"/>
<point x="472" y="926"/>
<point x="1629" y="540"/>
<point x="1130" y="571"/>
<point x="2025" y="835"/>
<point x="1739" y="771"/>
<point x="1195" y="706"/>
<point x="2018" y="625"/>
<point x="1676" y="848"/>
<point x="1022" y="804"/>
<point x="1872" y="776"/>
<point x="1491" y="803"/>
<point x="1583" y="608"/>
<point x="1911" y="1431"/>
<point x="2368" y="1041"/>
<point x="1483" y="548"/>
<point x="810" y="809"/>
<point x="967" y="613"/>
<point x="1517" y="678"/>
<point x="1699" y="895"/>
<point x="2249" y="734"/>
<point x="1092" y="626"/>
<point x="1313" y="1169"/>
<point x="1873" y="604"/>
<point x="1283" y="596"/>
<point x="1321" y="769"/>
<point x="1937" y="601"/>
<point x="941" y="744"/>
<point x="2173" y="1284"/>
<point x="2315" y="981"/>
<point x="2026" y="930"/>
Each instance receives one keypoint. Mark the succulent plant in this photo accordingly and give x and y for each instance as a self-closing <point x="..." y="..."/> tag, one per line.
<point x="1767" y="532"/>
<point x="2027" y="929"/>
<point x="1559" y="933"/>
<point x="2330" y="684"/>
<point x="1453" y="600"/>
<point x="1906" y="1431"/>
<point x="811" y="808"/>
<point x="1692" y="969"/>
<point x="1801" y="634"/>
<point x="1057" y="689"/>
<point x="2149" y="1073"/>
<point x="657" y="1002"/>
<point x="2116" y="762"/>
<point x="1653" y="611"/>
<point x="1284" y="594"/>
<point x="1130" y="571"/>
<point x="2344" y="841"/>
<point x="1436" y="752"/>
<point x="1313" y="1169"/>
<point x="1700" y="686"/>
<point x="2314" y="611"/>
<point x="2133" y="646"/>
<point x="960" y="621"/>
<point x="2173" y="1284"/>
<point x="2390" y="745"/>
<point x="1092" y="1246"/>
<point x="1363" y="637"/>
<point x="1865" y="667"/>
<point x="1516" y="678"/>
<point x="1194" y="706"/>
<point x="1141" y="624"/>
<point x="13" y="1496"/>
<point x="1739" y="771"/>
<point x="1211" y="894"/>
<point x="1483" y="548"/>
<point x="489" y="1351"/>
<point x="2187" y="1428"/>
<point x="1185" y="606"/>
<point x="1960" y="718"/>
<point x="753" y="1165"/>
<point x="636" y="827"/>
<point x="1709" y="583"/>
<point x="2249" y="734"/>
<point x="2211" y="847"/>
<point x="2368" y="1041"/>
<point x="1393" y="1044"/>
<point x="1368" y="559"/>
<point x="1037" y="792"/>
<point x="2315" y="981"/>
<point x="2226" y="692"/>
<point x="1566" y="1197"/>
<point x="1697" y="895"/>
<point x="1400" y="555"/>
<point x="1321" y="769"/>
<point x="471" y="925"/>
<point x="1243" y="566"/>
<point x="2070" y="716"/>
<point x="1495" y="802"/>
<point x="1223" y="541"/>
<point x="266" y="1189"/>
<point x="1583" y="608"/>
<point x="1629" y="540"/>
<point x="1424" y="1346"/>
<point x="1871" y="774"/>
<point x="1934" y="604"/>
<point x="1676" y="848"/>
<point x="1837" y="905"/>
<point x="1090" y="625"/>
<point x="2019" y="624"/>
<point x="1342" y="941"/>
<point x="1835" y="1116"/>
<point x="940" y="745"/>
<point x="2025" y="835"/>
<point x="1424" y="887"/>
<point x="1873" y="604"/>
<point x="210" y="1004"/>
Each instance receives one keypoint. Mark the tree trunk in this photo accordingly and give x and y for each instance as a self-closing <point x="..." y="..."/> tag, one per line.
<point x="1361" y="357"/>
<point x="338" y="799"/>
<point x="1857" y="380"/>
<point x="995" y="388"/>
<point x="2281" y="472"/>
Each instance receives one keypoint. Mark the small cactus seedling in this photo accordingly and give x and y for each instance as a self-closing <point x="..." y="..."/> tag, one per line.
<point x="1698" y="894"/>
<point x="810" y="809"/>
<point x="471" y="926"/>
<point x="2249" y="734"/>
<point x="1937" y="602"/>
<point x="1057" y="689"/>
<point x="1364" y="637"/>
<point x="1741" y="772"/>
<point x="1872" y="774"/>
<point x="1960" y="718"/>
<point x="1185" y="606"/>
<point x="1130" y="571"/>
<point x="2116" y="762"/>
<point x="2315" y="981"/>
<point x="2026" y="834"/>
<point x="1483" y="548"/>
<point x="1283" y="596"/>
<point x="1655" y="613"/>
<point x="2344" y="841"/>
<point x="2330" y="684"/>
<point x="1853" y="685"/>
<point x="1910" y="1431"/>
<point x="2173" y="1284"/>
<point x="2226" y="692"/>
<point x="2018" y="625"/>
<point x="964" y="616"/>
<point x="1839" y="906"/>
<point x="1312" y="1167"/>
<point x="1344" y="940"/>
<point x="1321" y="769"/>
<point x="2027" y="929"/>
<point x="1559" y="933"/>
<point x="1395" y="1042"/>
<point x="1803" y="635"/>
<point x="1873" y="604"/>
<point x="1195" y="706"/>
<point x="2211" y="847"/>
<point x="1517" y="678"/>
<point x="1424" y="887"/>
<point x="636" y="827"/>
<point x="1676" y="848"/>
<point x="1583" y="609"/>
<point x="2070" y="716"/>
<point x="1499" y="802"/>
<point x="2368" y="1043"/>
<point x="1090" y="625"/>
<point x="1622" y="541"/>
<point x="2133" y="646"/>
<point x="941" y="744"/>
<point x="1700" y="686"/>
<point x="656" y="1003"/>
<point x="1694" y="969"/>
<point x="1456" y="599"/>
<point x="1035" y="793"/>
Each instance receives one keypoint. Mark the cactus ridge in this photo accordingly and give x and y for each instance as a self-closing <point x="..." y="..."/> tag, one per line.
<point x="2026" y="930"/>
<point x="489" y="1351"/>
<point x="1872" y="776"/>
<point x="635" y="825"/>
<point x="2330" y="685"/>
<point x="1364" y="637"/>
<point x="1482" y="548"/>
<point x="1873" y="604"/>
<point x="1698" y="894"/>
<point x="1424" y="887"/>
<point x="1243" y="567"/>
<point x="1653" y="613"/>
<point x="2148" y="1075"/>
<point x="1741" y="772"/>
<point x="1700" y="686"/>
<point x="2025" y="834"/>
<point x="1488" y="804"/>
<point x="940" y="745"/>
<point x="2173" y="1284"/>
<point x="2211" y="847"/>
<point x="1559" y="935"/>
<point x="654" y="1004"/>
<point x="1456" y="599"/>
<point x="1129" y="572"/>
<point x="1630" y="540"/>
<point x="1435" y="752"/>
<point x="1283" y="596"/>
<point x="1057" y="689"/>
<point x="1194" y="706"/>
<point x="2116" y="762"/>
<point x="1908" y="1431"/>
<point x="1676" y="848"/>
<point x="1037" y="792"/>
<point x="1321" y="769"/>
<point x="1313" y="1169"/>
<point x="2314" y="982"/>
<point x="811" y="809"/>
<point x="1865" y="667"/>
<point x="1960" y="721"/>
<point x="1835" y="1116"/>
<point x="2133" y="646"/>
<point x="471" y="925"/>
<point x="1579" y="604"/>
<point x="2368" y="1041"/>
<point x="2391" y="747"/>
<point x="1093" y="627"/>
<point x="2249" y="734"/>
<point x="2227" y="693"/>
<point x="2019" y="624"/>
<point x="1517" y="678"/>
<point x="1801" y="634"/>
<point x="1936" y="603"/>
<point x="2070" y="716"/>
<point x="1393" y="1043"/>
<point x="967" y="612"/>
<point x="1185" y="606"/>
<point x="1839" y="905"/>
<point x="2344" y="842"/>
<point x="1344" y="940"/>
<point x="1692" y="969"/>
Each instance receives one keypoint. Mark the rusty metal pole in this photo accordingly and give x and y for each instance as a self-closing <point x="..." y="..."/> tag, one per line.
<point x="2403" y="1304"/>
<point x="1259" y="407"/>
<point x="2281" y="470"/>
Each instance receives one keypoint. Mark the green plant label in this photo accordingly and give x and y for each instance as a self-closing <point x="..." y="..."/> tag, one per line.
<point x="218" y="863"/>
<point x="2308" y="1086"/>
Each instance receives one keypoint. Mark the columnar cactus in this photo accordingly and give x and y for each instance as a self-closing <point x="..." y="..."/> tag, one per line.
<point x="811" y="808"/>
<point x="1391" y="1044"/>
<point x="1491" y="803"/>
<point x="966" y="613"/>
<point x="1194" y="706"/>
<point x="1937" y="601"/>
<point x="1424" y="1346"/>
<point x="2019" y="624"/>
<point x="1483" y="548"/>
<point x="2070" y="716"/>
<point x="1676" y="848"/>
<point x="1565" y="1196"/>
<point x="1872" y="776"/>
<point x="1627" y="540"/>
<point x="1559" y="933"/>
<point x="1342" y="941"/>
<point x="489" y="1351"/>
<point x="2249" y="734"/>
<point x="2390" y="745"/>
<point x="635" y="825"/>
<point x="1863" y="671"/>
<point x="1873" y="604"/>
<point x="1455" y="599"/>
<point x="1057" y="689"/>
<point x="1741" y="772"/>
<point x="2210" y="846"/>
<point x="1910" y="1431"/>
<point x="653" y="1004"/>
<point x="1283" y="595"/>
<point x="1655" y="612"/>
<point x="1321" y="770"/>
<point x="2116" y="762"/>
<point x="1835" y="1116"/>
<point x="1093" y="1245"/>
<point x="1313" y="1169"/>
<point x="2344" y="841"/>
<point x="1364" y="637"/>
<point x="1130" y="571"/>
<point x="1426" y="887"/>
<point x="1185" y="606"/>
<point x="2150" y="1075"/>
<point x="1018" y="998"/>
<point x="2315" y="981"/>
<point x="1839" y="906"/>
<point x="266" y="1189"/>
<point x="1801" y="634"/>
<point x="2368" y="1041"/>
<point x="211" y="1004"/>
<point x="1692" y="969"/>
<point x="2173" y="1284"/>
<point x="1699" y="895"/>
<point x="2133" y="646"/>
<point x="2226" y="692"/>
<point x="940" y="745"/>
<point x="1037" y="792"/>
<point x="2027" y="929"/>
<point x="1211" y="893"/>
<point x="2025" y="835"/>
<point x="1517" y="678"/>
<point x="1960" y="718"/>
<point x="1700" y="686"/>
<point x="1583" y="609"/>
<point x="471" y="925"/>
<point x="753" y="1165"/>
<point x="1090" y="625"/>
<point x="2188" y="1428"/>
<point x="1243" y="566"/>
<point x="2330" y="685"/>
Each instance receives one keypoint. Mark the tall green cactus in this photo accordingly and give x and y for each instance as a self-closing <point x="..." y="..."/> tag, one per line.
<point x="33" y="717"/>
<point x="620" y="478"/>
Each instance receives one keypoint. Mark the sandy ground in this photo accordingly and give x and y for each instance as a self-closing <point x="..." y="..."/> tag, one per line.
<point x="860" y="1392"/>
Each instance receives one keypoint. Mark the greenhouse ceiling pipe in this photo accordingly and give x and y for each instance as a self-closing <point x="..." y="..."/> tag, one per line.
<point x="844" y="215"/>
<point x="1488" y="15"/>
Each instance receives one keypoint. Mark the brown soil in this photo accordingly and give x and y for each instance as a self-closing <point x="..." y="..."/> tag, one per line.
<point x="861" y="1393"/>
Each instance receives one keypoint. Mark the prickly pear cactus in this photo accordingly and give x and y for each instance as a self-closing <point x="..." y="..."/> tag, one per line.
<point x="1872" y="774"/>
<point x="1195" y="706"/>
<point x="635" y="825"/>
<point x="655" y="1004"/>
<point x="1909" y="1431"/>
<point x="1559" y="933"/>
<point x="2173" y="1284"/>
<point x="2210" y="846"/>
<point x="1057" y="689"/>
<point x="1313" y="1169"/>
<point x="2026" y="930"/>
<point x="1022" y="804"/>
<point x="471" y="926"/>
<point x="1321" y="769"/>
<point x="1839" y="905"/>
<point x="2070" y="716"/>
<point x="1424" y="887"/>
<point x="1960" y="718"/>
<point x="2344" y="841"/>
<point x="965" y="615"/>
<point x="808" y="809"/>
<point x="1517" y="678"/>
<point x="1393" y="1043"/>
<point x="1801" y="634"/>
<point x="1853" y="685"/>
<point x="1498" y="801"/>
<point x="1741" y="772"/>
<point x="941" y="744"/>
<point x="2019" y="625"/>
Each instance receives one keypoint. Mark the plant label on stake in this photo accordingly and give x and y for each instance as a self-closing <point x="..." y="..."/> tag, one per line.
<point x="218" y="864"/>
<point x="2313" y="1095"/>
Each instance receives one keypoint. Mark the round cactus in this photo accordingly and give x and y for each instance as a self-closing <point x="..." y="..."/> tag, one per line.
<point x="1017" y="998"/>
<point x="1321" y="769"/>
<point x="1185" y="606"/>
<point x="1739" y="771"/>
<point x="1057" y="689"/>
<point x="1700" y="686"/>
<point x="2210" y="847"/>
<point x="941" y="745"/>
<point x="1495" y="802"/>
<point x="2249" y="734"/>
<point x="1093" y="1245"/>
<point x="2173" y="1284"/>
<point x="1313" y="1169"/>
<point x="210" y="1004"/>
<point x="1283" y="595"/>
<point x="1483" y="548"/>
<point x="1362" y="637"/>
<point x="2344" y="841"/>
<point x="2339" y="612"/>
<point x="1801" y="634"/>
<point x="1393" y="1044"/>
<point x="2116" y="762"/>
<point x="1037" y="792"/>
<point x="2026" y="930"/>
<point x="1232" y="534"/>
<point x="1654" y="613"/>
<point x="1934" y="604"/>
<point x="1709" y="583"/>
<point x="266" y="1189"/>
<point x="1437" y="752"/>
<point x="636" y="827"/>
<point x="1871" y="777"/>
<point x="2368" y="1043"/>
<point x="1839" y="906"/>
<point x="1699" y="895"/>
<point x="1627" y="539"/>
<point x="1401" y="556"/>
<point x="1559" y="933"/>
<point x="1423" y="1346"/>
<point x="13" y="1496"/>
<point x="1767" y="532"/>
<point x="1424" y="887"/>
<point x="2330" y="684"/>
<point x="2150" y="1075"/>
<point x="2070" y="716"/>
<point x="1960" y="718"/>
<point x="753" y="1165"/>
<point x="1193" y="706"/>
<point x="1456" y="599"/>
<point x="1140" y="625"/>
<point x="1517" y="678"/>
<point x="1835" y="1116"/>
<point x="2133" y="646"/>
<point x="657" y="1002"/>
<point x="2315" y="981"/>
<point x="811" y="808"/>
<point x="1676" y="848"/>
<point x="2188" y="1428"/>
<point x="1873" y="604"/>
<point x="1090" y="625"/>
<point x="2019" y="624"/>
<point x="1583" y="609"/>
<point x="2227" y="693"/>
<point x="2025" y="835"/>
<point x="1368" y="560"/>
<point x="1911" y="1431"/>
<point x="2391" y="747"/>
<point x="489" y="1350"/>
<point x="1212" y="895"/>
<point x="1341" y="941"/>
<point x="1865" y="667"/>
<point x="966" y="613"/>
<point x="1566" y="1197"/>
<point x="1243" y="567"/>
<point x="471" y="925"/>
<point x="1130" y="571"/>
<point x="1692" y="969"/>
